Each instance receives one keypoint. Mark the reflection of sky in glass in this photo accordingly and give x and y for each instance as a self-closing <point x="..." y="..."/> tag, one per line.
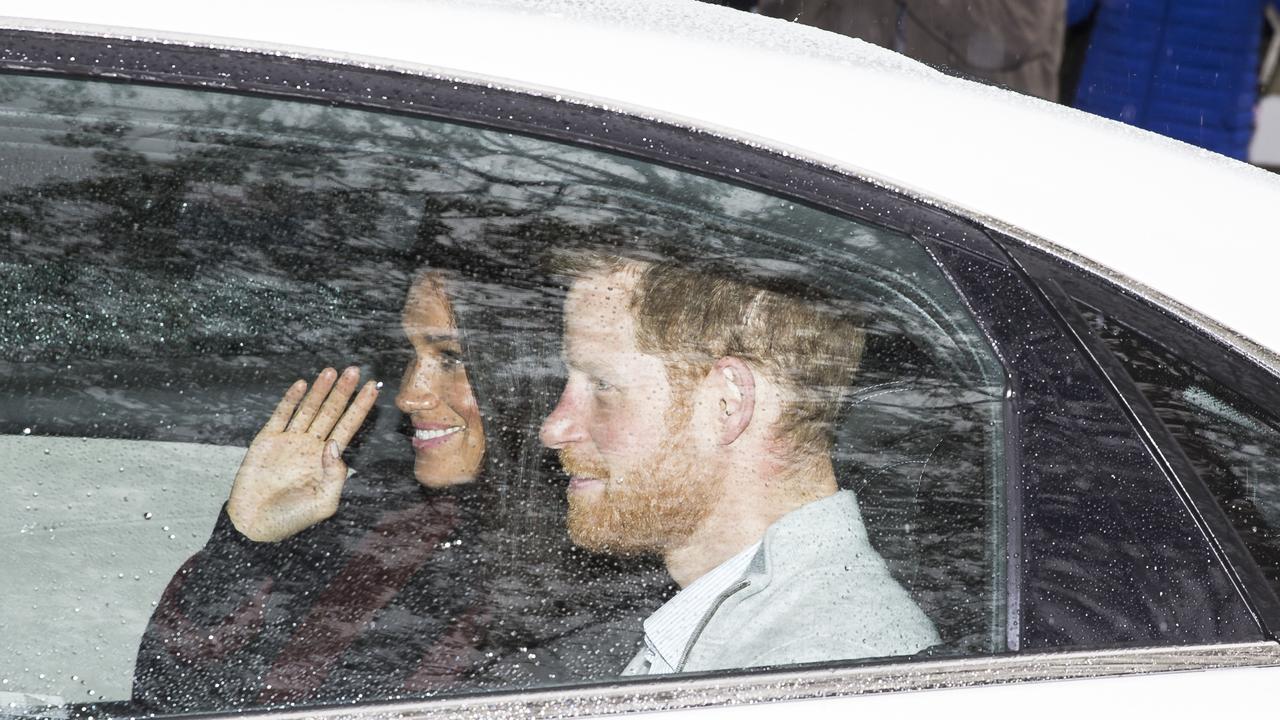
<point x="1249" y="448"/>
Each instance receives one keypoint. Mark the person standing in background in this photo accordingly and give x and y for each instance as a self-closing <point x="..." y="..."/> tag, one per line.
<point x="1187" y="69"/>
<point x="1011" y="43"/>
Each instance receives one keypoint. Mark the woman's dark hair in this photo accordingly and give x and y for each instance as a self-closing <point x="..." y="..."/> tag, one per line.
<point x="509" y="331"/>
<point x="555" y="610"/>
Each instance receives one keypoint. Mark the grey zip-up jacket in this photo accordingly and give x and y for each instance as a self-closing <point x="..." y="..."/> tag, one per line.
<point x="815" y="591"/>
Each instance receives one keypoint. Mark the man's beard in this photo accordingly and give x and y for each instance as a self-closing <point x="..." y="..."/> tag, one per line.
<point x="655" y="507"/>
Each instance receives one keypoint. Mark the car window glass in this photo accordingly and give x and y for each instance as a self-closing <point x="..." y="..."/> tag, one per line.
<point x="175" y="260"/>
<point x="1232" y="443"/>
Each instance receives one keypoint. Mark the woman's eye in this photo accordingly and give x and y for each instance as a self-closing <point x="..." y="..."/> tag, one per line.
<point x="451" y="359"/>
<point x="410" y="367"/>
<point x="600" y="385"/>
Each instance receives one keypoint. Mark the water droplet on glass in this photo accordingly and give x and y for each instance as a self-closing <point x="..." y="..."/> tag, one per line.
<point x="146" y="516"/>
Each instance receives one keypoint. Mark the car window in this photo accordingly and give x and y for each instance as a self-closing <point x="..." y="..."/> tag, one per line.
<point x="1180" y="573"/>
<point x="1232" y="443"/>
<point x="176" y="260"/>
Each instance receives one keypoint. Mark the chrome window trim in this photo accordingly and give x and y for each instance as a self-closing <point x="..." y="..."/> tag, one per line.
<point x="681" y="693"/>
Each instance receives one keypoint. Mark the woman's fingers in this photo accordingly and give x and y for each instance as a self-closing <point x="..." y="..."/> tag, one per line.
<point x="355" y="415"/>
<point x="279" y="419"/>
<point x="333" y="405"/>
<point x="311" y="403"/>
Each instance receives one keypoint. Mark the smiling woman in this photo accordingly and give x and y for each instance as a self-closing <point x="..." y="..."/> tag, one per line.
<point x="373" y="607"/>
<point x="435" y="393"/>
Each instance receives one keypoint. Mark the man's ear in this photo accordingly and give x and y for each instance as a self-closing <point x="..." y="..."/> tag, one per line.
<point x="735" y="389"/>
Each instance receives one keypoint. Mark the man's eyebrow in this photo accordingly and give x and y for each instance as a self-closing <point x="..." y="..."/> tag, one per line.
<point x="589" y="365"/>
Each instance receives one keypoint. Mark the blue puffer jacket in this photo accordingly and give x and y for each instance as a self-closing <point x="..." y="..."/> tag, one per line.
<point x="1183" y="68"/>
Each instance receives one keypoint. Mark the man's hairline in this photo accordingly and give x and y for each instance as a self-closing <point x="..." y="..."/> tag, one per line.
<point x="611" y="265"/>
<point x="680" y="394"/>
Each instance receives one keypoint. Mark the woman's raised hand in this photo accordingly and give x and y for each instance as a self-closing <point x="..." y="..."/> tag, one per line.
<point x="292" y="476"/>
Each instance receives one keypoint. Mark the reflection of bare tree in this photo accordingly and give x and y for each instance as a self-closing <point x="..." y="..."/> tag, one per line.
<point x="165" y="240"/>
<point x="130" y="183"/>
<point x="159" y="229"/>
<point x="227" y="194"/>
<point x="1233" y="445"/>
<point x="144" y="243"/>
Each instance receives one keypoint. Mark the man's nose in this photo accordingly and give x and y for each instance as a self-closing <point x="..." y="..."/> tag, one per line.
<point x="562" y="426"/>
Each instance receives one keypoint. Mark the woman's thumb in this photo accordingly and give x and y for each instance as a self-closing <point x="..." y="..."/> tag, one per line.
<point x="332" y="459"/>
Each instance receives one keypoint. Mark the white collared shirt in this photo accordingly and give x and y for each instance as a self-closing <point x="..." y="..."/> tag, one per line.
<point x="668" y="630"/>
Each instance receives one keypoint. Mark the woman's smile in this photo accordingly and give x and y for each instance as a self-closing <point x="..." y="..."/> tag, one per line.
<point x="427" y="436"/>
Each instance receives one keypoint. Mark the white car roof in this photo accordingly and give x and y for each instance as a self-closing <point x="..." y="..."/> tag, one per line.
<point x="1195" y="226"/>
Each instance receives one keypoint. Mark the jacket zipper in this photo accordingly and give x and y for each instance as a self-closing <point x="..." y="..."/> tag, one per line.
<point x="706" y="619"/>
